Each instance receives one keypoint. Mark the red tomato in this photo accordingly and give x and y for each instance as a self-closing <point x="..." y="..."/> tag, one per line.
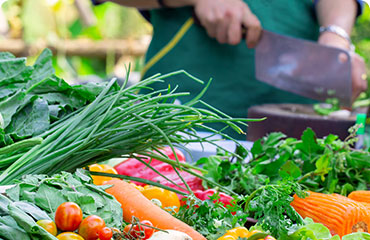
<point x="49" y="226"/>
<point x="130" y="233"/>
<point x="143" y="232"/>
<point x="105" y="233"/>
<point x="68" y="216"/>
<point x="90" y="227"/>
<point x="69" y="236"/>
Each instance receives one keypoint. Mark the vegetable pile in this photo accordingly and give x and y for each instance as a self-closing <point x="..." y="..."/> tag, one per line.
<point x="283" y="188"/>
<point x="32" y="97"/>
<point x="48" y="192"/>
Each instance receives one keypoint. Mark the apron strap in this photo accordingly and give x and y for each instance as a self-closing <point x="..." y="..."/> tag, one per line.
<point x="169" y="46"/>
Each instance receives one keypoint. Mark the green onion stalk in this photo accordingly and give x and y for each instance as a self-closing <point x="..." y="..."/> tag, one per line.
<point x="120" y="123"/>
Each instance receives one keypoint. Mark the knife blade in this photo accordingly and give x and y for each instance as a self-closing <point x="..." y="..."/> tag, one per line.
<point x="304" y="67"/>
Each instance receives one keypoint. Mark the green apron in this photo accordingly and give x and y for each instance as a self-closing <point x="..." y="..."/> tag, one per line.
<point x="234" y="87"/>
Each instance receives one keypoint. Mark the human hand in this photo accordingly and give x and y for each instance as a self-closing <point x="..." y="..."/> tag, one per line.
<point x="224" y="19"/>
<point x="359" y="81"/>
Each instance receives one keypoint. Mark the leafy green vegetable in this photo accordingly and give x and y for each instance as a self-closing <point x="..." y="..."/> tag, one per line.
<point x="281" y="166"/>
<point x="211" y="218"/>
<point x="119" y="123"/>
<point x="330" y="105"/>
<point x="18" y="221"/>
<point x="270" y="205"/>
<point x="32" y="97"/>
<point x="48" y="192"/>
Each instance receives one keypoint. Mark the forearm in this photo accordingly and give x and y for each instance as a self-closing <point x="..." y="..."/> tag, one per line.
<point x="341" y="13"/>
<point x="148" y="4"/>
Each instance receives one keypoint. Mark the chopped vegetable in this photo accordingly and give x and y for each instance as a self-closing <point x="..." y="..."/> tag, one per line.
<point x="360" y="196"/>
<point x="134" y="204"/>
<point x="340" y="214"/>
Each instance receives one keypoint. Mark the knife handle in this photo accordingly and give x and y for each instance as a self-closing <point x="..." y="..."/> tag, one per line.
<point x="197" y="22"/>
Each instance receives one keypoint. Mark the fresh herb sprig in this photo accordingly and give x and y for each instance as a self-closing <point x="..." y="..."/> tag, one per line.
<point x="211" y="218"/>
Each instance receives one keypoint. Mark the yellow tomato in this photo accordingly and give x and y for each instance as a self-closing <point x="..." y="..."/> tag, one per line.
<point x="227" y="237"/>
<point x="69" y="236"/>
<point x="167" y="198"/>
<point x="238" y="232"/>
<point x="99" y="180"/>
<point x="49" y="226"/>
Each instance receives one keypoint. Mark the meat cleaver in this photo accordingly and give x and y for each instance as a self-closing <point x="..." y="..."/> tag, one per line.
<point x="304" y="67"/>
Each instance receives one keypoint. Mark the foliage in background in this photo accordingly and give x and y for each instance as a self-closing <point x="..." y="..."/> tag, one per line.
<point x="361" y="39"/>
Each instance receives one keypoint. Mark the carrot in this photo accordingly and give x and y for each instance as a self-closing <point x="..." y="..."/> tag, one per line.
<point x="136" y="204"/>
<point x="338" y="213"/>
<point x="360" y="196"/>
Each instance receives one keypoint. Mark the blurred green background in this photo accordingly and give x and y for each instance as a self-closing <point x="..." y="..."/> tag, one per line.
<point x="40" y="22"/>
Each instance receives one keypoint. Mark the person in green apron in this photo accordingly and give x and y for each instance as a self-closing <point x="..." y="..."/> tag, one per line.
<point x="213" y="48"/>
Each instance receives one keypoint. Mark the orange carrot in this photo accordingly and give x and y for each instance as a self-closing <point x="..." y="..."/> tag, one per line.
<point x="338" y="213"/>
<point x="360" y="196"/>
<point x="136" y="204"/>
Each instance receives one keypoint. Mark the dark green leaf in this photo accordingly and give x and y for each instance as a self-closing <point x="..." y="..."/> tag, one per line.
<point x="11" y="105"/>
<point x="31" y="121"/>
<point x="43" y="67"/>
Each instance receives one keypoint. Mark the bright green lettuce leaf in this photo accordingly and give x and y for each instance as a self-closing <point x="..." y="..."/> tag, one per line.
<point x="357" y="236"/>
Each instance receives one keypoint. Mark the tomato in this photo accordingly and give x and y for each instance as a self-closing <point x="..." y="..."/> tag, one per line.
<point x="90" y="227"/>
<point x="68" y="216"/>
<point x="105" y="233"/>
<point x="167" y="198"/>
<point x="49" y="226"/>
<point x="99" y="180"/>
<point x="130" y="233"/>
<point x="69" y="236"/>
<point x="143" y="232"/>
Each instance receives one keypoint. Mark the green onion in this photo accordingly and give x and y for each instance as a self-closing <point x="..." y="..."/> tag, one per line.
<point x="120" y="124"/>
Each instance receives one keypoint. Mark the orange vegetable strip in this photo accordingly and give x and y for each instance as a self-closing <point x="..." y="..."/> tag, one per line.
<point x="136" y="204"/>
